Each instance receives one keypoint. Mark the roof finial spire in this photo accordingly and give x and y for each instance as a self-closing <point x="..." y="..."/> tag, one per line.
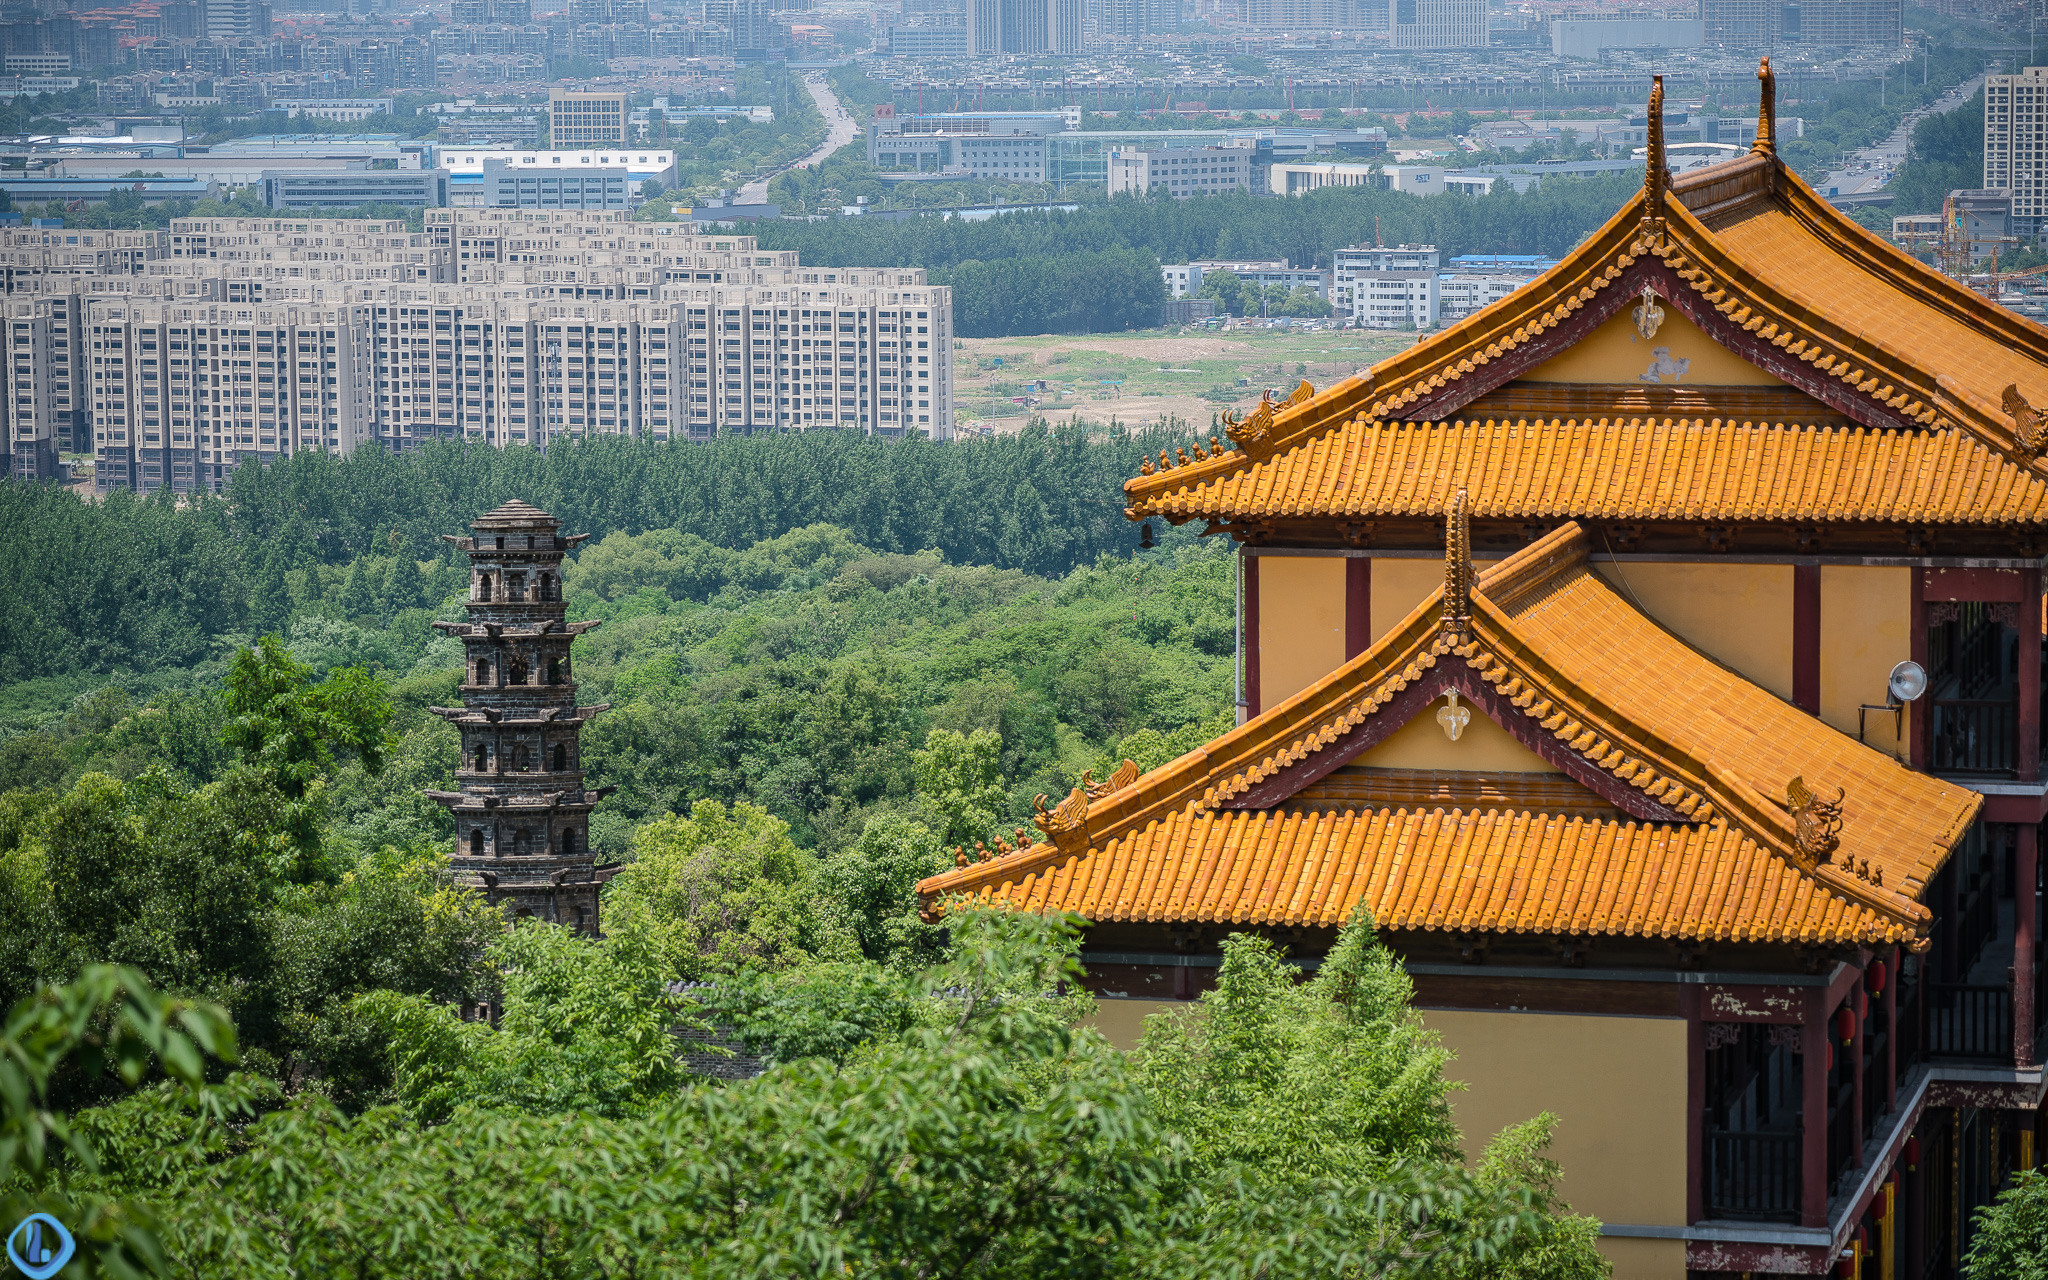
<point x="1458" y="569"/>
<point x="1766" y="143"/>
<point x="1655" y="176"/>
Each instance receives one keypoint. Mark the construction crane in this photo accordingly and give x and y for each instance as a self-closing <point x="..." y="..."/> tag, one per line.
<point x="1992" y="283"/>
<point x="1955" y="248"/>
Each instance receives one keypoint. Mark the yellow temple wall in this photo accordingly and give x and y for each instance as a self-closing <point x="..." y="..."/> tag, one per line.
<point x="1397" y="587"/>
<point x="1301" y="623"/>
<point x="1620" y="1137"/>
<point x="1423" y="744"/>
<point x="1615" y="352"/>
<point x="1865" y="631"/>
<point x="1738" y="614"/>
<point x="1122" y="1020"/>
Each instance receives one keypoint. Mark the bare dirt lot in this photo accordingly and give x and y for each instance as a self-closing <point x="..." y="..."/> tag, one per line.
<point x="1152" y="376"/>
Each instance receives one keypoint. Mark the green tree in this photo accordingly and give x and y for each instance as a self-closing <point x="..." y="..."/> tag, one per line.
<point x="358" y="593"/>
<point x="586" y="1025"/>
<point x="1225" y="289"/>
<point x="30" y="760"/>
<point x="109" y="1020"/>
<point x="960" y="783"/>
<point x="2010" y="1240"/>
<point x="874" y="885"/>
<point x="285" y="724"/>
<point x="404" y="588"/>
<point x="719" y="889"/>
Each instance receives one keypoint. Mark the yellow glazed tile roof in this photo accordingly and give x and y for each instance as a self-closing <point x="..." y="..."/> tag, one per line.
<point x="1915" y="364"/>
<point x="1636" y="468"/>
<point x="1697" y="762"/>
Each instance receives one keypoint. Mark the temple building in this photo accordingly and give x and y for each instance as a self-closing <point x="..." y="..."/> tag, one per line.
<point x="522" y="817"/>
<point x="1656" y="654"/>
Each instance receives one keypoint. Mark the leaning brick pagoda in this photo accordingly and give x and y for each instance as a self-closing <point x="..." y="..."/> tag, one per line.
<point x="522" y="817"/>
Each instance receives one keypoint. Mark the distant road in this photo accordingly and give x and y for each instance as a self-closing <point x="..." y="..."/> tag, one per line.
<point x="843" y="130"/>
<point x="1870" y="169"/>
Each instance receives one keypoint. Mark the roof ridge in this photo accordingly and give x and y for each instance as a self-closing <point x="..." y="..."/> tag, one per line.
<point x="1503" y="669"/>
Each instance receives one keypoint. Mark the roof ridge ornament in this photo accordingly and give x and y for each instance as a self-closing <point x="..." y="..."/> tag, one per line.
<point x="1458" y="570"/>
<point x="1656" y="177"/>
<point x="2029" y="425"/>
<point x="1766" y="143"/>
<point x="1818" y="822"/>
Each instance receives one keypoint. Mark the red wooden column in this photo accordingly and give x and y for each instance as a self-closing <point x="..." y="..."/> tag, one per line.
<point x="1859" y="1000"/>
<point x="1891" y="1029"/>
<point x="1357" y="606"/>
<point x="1916" y="628"/>
<point x="2024" y="942"/>
<point x="2030" y="675"/>
<point x="1913" y="1186"/>
<point x="1689" y="1004"/>
<point x="1251" y="633"/>
<point x="1806" y="638"/>
<point x="1813" y="1106"/>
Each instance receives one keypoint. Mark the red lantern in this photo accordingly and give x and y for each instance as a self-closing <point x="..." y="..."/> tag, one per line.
<point x="1911" y="1155"/>
<point x="1874" y="976"/>
<point x="1845" y="1026"/>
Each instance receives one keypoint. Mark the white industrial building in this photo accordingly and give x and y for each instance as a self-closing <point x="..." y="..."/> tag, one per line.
<point x="1181" y="172"/>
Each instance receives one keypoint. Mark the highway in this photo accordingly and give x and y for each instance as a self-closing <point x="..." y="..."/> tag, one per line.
<point x="843" y="130"/>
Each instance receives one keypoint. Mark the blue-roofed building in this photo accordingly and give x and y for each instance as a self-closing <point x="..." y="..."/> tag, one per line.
<point x="1533" y="263"/>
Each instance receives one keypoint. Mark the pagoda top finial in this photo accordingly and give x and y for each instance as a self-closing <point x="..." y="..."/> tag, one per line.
<point x="514" y="514"/>
<point x="1458" y="568"/>
<point x="1656" y="177"/>
<point x="1766" y="143"/>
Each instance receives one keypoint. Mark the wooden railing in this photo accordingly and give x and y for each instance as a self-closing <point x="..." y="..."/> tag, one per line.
<point x="1965" y="1021"/>
<point x="1752" y="1175"/>
<point x="1975" y="735"/>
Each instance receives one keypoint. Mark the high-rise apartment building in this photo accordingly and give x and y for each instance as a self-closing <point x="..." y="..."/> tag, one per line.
<point x="1009" y="26"/>
<point x="227" y="341"/>
<point x="1439" y="24"/>
<point x="2016" y="144"/>
<point x="579" y="119"/>
<point x="1852" y="22"/>
<point x="1131" y="19"/>
<point x="1068" y="29"/>
<point x="1767" y="24"/>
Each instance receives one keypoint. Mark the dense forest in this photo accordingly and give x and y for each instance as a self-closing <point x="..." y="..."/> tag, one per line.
<point x="129" y="584"/>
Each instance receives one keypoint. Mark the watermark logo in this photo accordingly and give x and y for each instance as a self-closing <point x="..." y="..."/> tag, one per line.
<point x="40" y="1246"/>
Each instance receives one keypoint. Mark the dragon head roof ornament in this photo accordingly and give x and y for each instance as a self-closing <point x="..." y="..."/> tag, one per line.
<point x="1656" y="176"/>
<point x="1766" y="143"/>
<point x="1458" y="570"/>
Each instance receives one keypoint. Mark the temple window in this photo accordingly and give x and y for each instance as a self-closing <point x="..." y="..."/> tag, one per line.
<point x="569" y="843"/>
<point x="483" y="586"/>
<point x="483" y="758"/>
<point x="515" y="587"/>
<point x="483" y="670"/>
<point x="476" y="844"/>
<point x="554" y="671"/>
<point x="561" y="757"/>
<point x="515" y="672"/>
